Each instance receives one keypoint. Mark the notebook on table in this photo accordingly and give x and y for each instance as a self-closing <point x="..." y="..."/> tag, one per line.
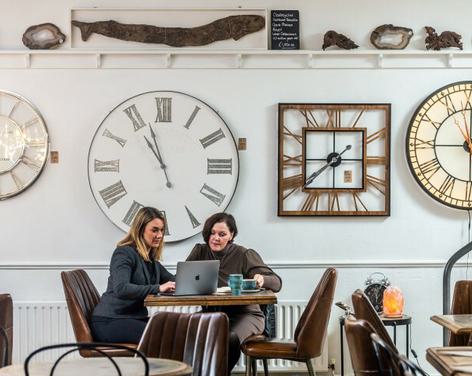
<point x="196" y="278"/>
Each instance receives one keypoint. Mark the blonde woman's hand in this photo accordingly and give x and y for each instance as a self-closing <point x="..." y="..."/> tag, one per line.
<point x="259" y="280"/>
<point x="167" y="287"/>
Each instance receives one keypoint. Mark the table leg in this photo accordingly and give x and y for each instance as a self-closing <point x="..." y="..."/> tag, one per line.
<point x="408" y="340"/>
<point x="395" y="335"/>
<point x="341" y="328"/>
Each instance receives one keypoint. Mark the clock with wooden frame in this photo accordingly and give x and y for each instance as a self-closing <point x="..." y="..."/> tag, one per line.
<point x="334" y="159"/>
<point x="439" y="146"/>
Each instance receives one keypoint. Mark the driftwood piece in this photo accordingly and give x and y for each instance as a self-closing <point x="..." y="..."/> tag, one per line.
<point x="234" y="27"/>
<point x="43" y="37"/>
<point x="332" y="38"/>
<point x="446" y="39"/>
<point x="383" y="37"/>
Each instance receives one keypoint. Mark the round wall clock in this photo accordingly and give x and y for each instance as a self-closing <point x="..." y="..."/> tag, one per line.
<point x="168" y="150"/>
<point x="439" y="147"/>
<point x="24" y="144"/>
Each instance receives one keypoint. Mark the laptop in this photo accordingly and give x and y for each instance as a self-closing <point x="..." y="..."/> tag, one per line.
<point x="196" y="278"/>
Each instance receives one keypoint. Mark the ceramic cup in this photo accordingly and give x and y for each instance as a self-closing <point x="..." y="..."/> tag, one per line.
<point x="249" y="284"/>
<point x="235" y="282"/>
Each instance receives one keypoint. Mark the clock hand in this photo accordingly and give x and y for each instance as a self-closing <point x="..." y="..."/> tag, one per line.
<point x="163" y="166"/>
<point x="153" y="135"/>
<point x="331" y="162"/>
<point x="467" y="139"/>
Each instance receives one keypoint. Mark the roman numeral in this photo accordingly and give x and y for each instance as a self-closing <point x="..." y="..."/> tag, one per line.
<point x="220" y="166"/>
<point x="192" y="117"/>
<point x="358" y="202"/>
<point x="164" y="110"/>
<point x="292" y="161"/>
<point x="293" y="183"/>
<point x="35" y="143"/>
<point x="447" y="185"/>
<point x="212" y="138"/>
<point x="313" y="199"/>
<point x="30" y="163"/>
<point x="447" y="102"/>
<point x="376" y="160"/>
<point x="468" y="105"/>
<point x="166" y="230"/>
<point x="135" y="117"/>
<point x="468" y="190"/>
<point x="376" y="183"/>
<point x="14" y="108"/>
<point x="18" y="182"/>
<point x="333" y="201"/>
<point x="212" y="194"/>
<point x="309" y="118"/>
<point x="435" y="124"/>
<point x="131" y="213"/>
<point x="30" y="122"/>
<point x="107" y="166"/>
<point x="357" y="118"/>
<point x="296" y="137"/>
<point x="107" y="133"/>
<point x="420" y="144"/>
<point x="377" y="135"/>
<point x="430" y="167"/>
<point x="113" y="193"/>
<point x="192" y="218"/>
<point x="334" y="118"/>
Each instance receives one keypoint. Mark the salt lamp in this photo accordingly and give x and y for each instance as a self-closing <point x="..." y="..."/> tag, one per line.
<point x="393" y="302"/>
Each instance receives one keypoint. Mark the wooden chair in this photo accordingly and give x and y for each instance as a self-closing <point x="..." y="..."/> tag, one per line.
<point x="82" y="297"/>
<point x="199" y="339"/>
<point x="6" y="329"/>
<point x="309" y="335"/>
<point x="363" y="310"/>
<point x="461" y="304"/>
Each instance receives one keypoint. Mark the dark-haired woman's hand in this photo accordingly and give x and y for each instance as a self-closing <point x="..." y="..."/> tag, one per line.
<point x="167" y="287"/>
<point x="259" y="280"/>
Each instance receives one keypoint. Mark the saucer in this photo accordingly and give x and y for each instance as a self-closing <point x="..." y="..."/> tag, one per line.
<point x="252" y="290"/>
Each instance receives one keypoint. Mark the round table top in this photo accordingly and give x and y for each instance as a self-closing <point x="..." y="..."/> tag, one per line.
<point x="387" y="321"/>
<point x="102" y="367"/>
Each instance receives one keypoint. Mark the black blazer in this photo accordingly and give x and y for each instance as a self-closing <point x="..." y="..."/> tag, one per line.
<point x="128" y="285"/>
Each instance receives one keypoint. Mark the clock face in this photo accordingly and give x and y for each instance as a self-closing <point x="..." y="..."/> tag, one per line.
<point x="439" y="147"/>
<point x="168" y="150"/>
<point x="375" y="293"/>
<point x="334" y="159"/>
<point x="24" y="144"/>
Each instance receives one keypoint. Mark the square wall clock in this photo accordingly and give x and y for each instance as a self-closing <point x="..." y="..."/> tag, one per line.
<point x="334" y="159"/>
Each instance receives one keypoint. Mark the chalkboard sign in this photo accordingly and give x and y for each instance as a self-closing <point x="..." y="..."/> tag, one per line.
<point x="285" y="30"/>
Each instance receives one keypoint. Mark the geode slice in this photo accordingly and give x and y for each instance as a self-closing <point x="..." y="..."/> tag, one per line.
<point x="43" y="37"/>
<point x="389" y="37"/>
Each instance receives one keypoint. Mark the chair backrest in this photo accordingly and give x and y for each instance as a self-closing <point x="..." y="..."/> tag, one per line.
<point x="361" y="349"/>
<point x="199" y="339"/>
<point x="461" y="304"/>
<point x="6" y="329"/>
<point x="310" y="332"/>
<point x="364" y="310"/>
<point x="81" y="297"/>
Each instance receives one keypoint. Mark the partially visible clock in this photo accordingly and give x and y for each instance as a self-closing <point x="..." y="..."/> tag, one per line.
<point x="168" y="150"/>
<point x="334" y="159"/>
<point x="24" y="144"/>
<point x="439" y="147"/>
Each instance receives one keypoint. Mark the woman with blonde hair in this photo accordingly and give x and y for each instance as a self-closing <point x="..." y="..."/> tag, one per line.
<point x="135" y="272"/>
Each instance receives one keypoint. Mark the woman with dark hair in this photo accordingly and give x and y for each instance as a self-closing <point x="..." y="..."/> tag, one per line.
<point x="135" y="272"/>
<point x="218" y="233"/>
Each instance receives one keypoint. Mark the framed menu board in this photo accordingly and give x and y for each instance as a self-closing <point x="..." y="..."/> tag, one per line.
<point x="285" y="30"/>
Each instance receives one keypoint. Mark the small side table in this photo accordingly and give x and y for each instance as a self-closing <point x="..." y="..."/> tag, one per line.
<point x="387" y="321"/>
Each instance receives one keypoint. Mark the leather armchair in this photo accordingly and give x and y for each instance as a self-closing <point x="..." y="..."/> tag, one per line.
<point x="461" y="304"/>
<point x="199" y="339"/>
<point x="6" y="329"/>
<point x="309" y="335"/>
<point x="82" y="297"/>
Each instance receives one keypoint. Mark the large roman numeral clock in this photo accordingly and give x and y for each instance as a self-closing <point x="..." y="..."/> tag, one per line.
<point x="168" y="150"/>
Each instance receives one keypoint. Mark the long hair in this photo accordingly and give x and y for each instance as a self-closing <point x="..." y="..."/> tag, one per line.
<point x="218" y="218"/>
<point x="135" y="238"/>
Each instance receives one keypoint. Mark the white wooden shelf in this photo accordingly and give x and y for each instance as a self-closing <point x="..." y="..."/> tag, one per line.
<point x="233" y="59"/>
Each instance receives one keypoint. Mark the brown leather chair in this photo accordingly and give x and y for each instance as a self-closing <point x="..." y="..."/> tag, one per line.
<point x="199" y="339"/>
<point x="309" y="335"/>
<point x="363" y="310"/>
<point x="82" y="297"/>
<point x="361" y="349"/>
<point x="461" y="304"/>
<point x="6" y="329"/>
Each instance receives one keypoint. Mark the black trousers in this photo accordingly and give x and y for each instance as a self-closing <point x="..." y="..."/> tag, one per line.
<point x="105" y="329"/>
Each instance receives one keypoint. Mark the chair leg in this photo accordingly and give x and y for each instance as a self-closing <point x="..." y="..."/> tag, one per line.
<point x="248" y="365"/>
<point x="254" y="366"/>
<point x="266" y="367"/>
<point x="309" y="365"/>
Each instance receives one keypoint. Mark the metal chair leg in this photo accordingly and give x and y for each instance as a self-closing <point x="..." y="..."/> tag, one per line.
<point x="266" y="367"/>
<point x="248" y="365"/>
<point x="254" y="366"/>
<point x="309" y="365"/>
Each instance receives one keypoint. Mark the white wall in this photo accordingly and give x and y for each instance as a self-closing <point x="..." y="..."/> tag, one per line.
<point x="56" y="223"/>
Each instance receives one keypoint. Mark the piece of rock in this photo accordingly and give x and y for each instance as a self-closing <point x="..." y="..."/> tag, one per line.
<point x="332" y="38"/>
<point x="43" y="37"/>
<point x="389" y="37"/>
<point x="446" y="39"/>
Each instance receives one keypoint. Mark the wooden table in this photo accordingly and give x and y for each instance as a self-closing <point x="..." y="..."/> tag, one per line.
<point x="102" y="367"/>
<point x="451" y="360"/>
<point x="217" y="299"/>
<point x="458" y="324"/>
